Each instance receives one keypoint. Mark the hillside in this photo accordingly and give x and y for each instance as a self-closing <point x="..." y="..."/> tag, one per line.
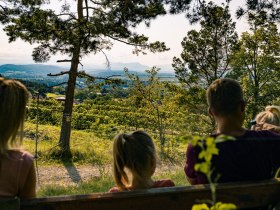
<point x="38" y="72"/>
<point x="31" y="70"/>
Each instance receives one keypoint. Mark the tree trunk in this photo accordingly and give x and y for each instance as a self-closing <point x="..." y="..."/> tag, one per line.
<point x="161" y="132"/>
<point x="255" y="107"/>
<point x="65" y="133"/>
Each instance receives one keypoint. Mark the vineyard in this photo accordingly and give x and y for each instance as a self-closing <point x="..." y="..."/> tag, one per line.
<point x="106" y="117"/>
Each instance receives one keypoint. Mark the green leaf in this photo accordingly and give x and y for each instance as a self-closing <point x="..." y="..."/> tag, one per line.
<point x="200" y="207"/>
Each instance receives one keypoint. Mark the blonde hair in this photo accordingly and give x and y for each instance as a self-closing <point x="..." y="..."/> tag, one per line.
<point x="271" y="115"/>
<point x="13" y="100"/>
<point x="135" y="152"/>
<point x="224" y="95"/>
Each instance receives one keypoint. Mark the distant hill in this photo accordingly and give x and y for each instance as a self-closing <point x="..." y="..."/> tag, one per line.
<point x="38" y="72"/>
<point x="134" y="66"/>
<point x="33" y="73"/>
<point x="108" y="73"/>
<point x="131" y="66"/>
<point x="31" y="69"/>
<point x="142" y="75"/>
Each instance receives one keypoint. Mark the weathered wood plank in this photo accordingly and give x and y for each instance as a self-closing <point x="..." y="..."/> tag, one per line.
<point x="244" y="195"/>
<point x="9" y="203"/>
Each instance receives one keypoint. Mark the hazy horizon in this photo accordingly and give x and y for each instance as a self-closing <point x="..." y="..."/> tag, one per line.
<point x="119" y="66"/>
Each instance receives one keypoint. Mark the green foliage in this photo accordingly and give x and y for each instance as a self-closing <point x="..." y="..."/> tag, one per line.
<point x="205" y="57"/>
<point x="49" y="111"/>
<point x="217" y="206"/>
<point x="155" y="98"/>
<point x="206" y="53"/>
<point x="97" y="184"/>
<point x="256" y="64"/>
<point x="82" y="94"/>
<point x="261" y="10"/>
<point x="35" y="88"/>
<point x="86" y="146"/>
<point x="106" y="116"/>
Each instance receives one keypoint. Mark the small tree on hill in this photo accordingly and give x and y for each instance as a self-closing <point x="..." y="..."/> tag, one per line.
<point x="155" y="97"/>
<point x="149" y="94"/>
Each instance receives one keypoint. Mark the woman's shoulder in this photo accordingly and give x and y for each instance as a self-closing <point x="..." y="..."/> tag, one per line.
<point x="114" y="189"/>
<point x="163" y="183"/>
<point x="20" y="155"/>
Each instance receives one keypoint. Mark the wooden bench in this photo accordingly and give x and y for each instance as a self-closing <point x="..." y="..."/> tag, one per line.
<point x="9" y="203"/>
<point x="244" y="195"/>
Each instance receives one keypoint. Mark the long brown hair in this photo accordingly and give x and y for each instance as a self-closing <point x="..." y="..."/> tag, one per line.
<point x="133" y="151"/>
<point x="13" y="100"/>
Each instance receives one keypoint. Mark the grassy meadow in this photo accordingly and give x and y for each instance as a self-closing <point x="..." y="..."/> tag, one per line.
<point x="91" y="167"/>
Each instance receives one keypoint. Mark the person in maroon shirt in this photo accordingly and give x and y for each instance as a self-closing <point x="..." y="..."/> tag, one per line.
<point x="255" y="155"/>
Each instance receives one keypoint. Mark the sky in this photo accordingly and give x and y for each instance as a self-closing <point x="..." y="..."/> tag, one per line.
<point x="170" y="28"/>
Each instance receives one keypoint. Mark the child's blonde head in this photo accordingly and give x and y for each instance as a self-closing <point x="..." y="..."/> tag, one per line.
<point x="271" y="115"/>
<point x="13" y="100"/>
<point x="136" y="152"/>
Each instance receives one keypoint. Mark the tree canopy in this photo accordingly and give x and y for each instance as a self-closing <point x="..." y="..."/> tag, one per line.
<point x="256" y="63"/>
<point x="264" y="10"/>
<point x="206" y="53"/>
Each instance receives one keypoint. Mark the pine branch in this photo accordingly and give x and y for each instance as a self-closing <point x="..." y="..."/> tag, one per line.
<point x="128" y="43"/>
<point x="95" y="2"/>
<point x="67" y="14"/>
<point x="85" y="75"/>
<point x="59" y="74"/>
<point x="63" y="61"/>
<point x="107" y="59"/>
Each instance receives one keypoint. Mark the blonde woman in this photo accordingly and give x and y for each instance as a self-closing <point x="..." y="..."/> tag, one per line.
<point x="17" y="173"/>
<point x="135" y="163"/>
<point x="268" y="119"/>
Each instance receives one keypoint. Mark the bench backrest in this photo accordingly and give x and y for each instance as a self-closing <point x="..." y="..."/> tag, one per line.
<point x="244" y="195"/>
<point x="9" y="203"/>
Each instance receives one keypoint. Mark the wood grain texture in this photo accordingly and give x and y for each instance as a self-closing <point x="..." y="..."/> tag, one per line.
<point x="244" y="195"/>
